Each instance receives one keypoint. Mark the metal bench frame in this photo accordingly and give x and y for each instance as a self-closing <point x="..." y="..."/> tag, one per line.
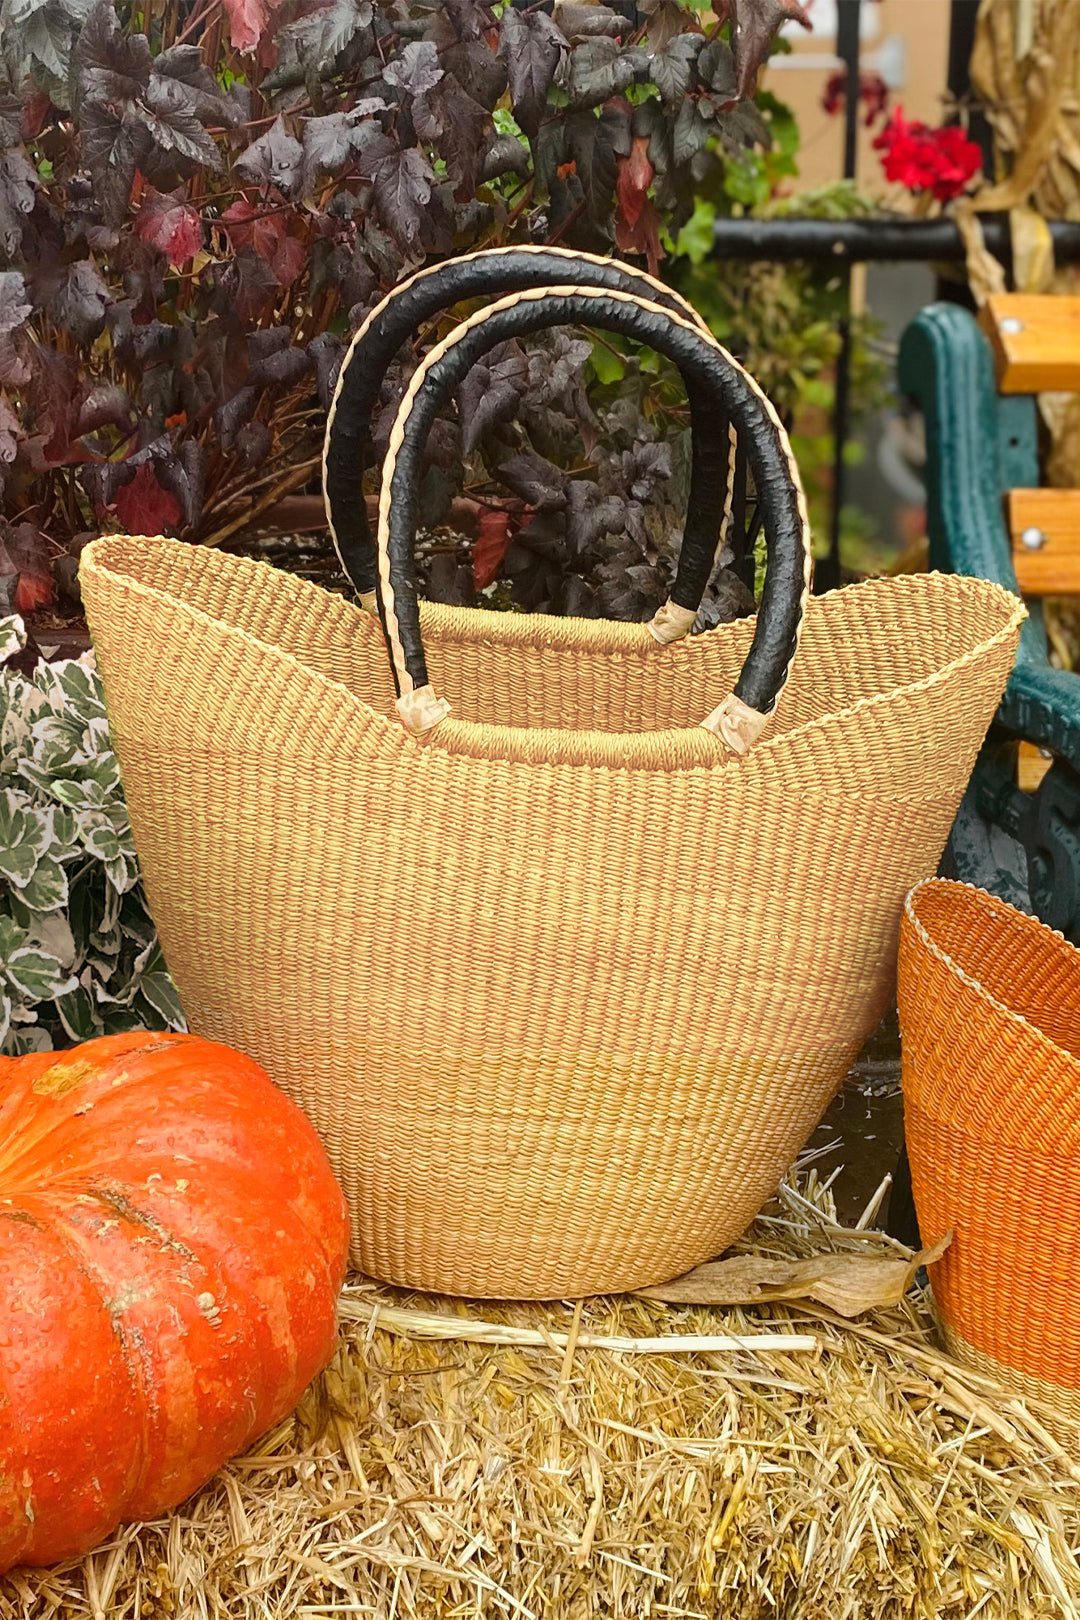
<point x="1023" y="846"/>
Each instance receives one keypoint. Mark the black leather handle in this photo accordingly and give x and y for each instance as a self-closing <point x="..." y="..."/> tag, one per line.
<point x="489" y="273"/>
<point x="712" y="369"/>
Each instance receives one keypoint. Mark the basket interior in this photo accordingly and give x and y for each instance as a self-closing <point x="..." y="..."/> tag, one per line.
<point x="508" y="669"/>
<point x="1026" y="968"/>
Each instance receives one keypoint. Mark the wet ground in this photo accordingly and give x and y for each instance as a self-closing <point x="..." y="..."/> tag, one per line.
<point x="863" y="1130"/>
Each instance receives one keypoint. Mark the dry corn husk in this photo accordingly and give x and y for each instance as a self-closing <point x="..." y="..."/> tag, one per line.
<point x="443" y="1478"/>
<point x="1025" y="70"/>
<point x="849" y="1284"/>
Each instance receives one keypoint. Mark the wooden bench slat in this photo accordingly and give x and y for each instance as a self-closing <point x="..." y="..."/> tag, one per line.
<point x="1032" y="764"/>
<point x="1036" y="342"/>
<point x="1052" y="567"/>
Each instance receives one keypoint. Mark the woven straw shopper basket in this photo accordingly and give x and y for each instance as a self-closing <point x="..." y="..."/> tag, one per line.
<point x="564" y="932"/>
<point x="990" y="1020"/>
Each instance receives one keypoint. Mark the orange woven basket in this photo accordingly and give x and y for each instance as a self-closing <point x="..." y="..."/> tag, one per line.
<point x="990" y="1022"/>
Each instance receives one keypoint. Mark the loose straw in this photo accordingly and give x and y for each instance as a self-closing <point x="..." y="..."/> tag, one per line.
<point x="470" y="1330"/>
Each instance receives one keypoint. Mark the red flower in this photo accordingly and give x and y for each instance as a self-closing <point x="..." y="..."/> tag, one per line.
<point x="941" y="161"/>
<point x="873" y="92"/>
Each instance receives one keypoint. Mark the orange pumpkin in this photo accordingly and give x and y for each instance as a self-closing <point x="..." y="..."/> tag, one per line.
<point x="172" y="1242"/>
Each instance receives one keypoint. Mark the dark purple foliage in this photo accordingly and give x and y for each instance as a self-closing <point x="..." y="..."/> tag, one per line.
<point x="187" y="244"/>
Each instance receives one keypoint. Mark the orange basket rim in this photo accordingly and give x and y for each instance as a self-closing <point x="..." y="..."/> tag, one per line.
<point x="1041" y="932"/>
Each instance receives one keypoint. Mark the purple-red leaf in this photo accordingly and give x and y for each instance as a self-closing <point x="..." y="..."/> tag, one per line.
<point x="79" y="301"/>
<point x="324" y="31"/>
<point x="18" y="182"/>
<point x="29" y="553"/>
<point x="754" y="26"/>
<point x="469" y="18"/>
<point x="416" y="70"/>
<point x="183" y="475"/>
<point x="15" y="307"/>
<point x="326" y="351"/>
<point x="666" y="19"/>
<point x="593" y="145"/>
<point x="276" y="158"/>
<point x="106" y="405"/>
<point x="9" y="432"/>
<point x="112" y="68"/>
<point x="403" y="182"/>
<point x="483" y="401"/>
<point x="110" y="147"/>
<point x="448" y="115"/>
<point x="247" y="19"/>
<point x="537" y="481"/>
<point x="266" y="341"/>
<point x="505" y="155"/>
<point x="673" y="67"/>
<point x="253" y="444"/>
<point x="184" y="65"/>
<point x="249" y="285"/>
<point x="331" y="142"/>
<point x="600" y="69"/>
<point x="480" y="73"/>
<point x="143" y="507"/>
<point x="230" y="417"/>
<point x="56" y="393"/>
<point x="266" y="234"/>
<point x="586" y="21"/>
<point x="532" y="48"/>
<point x="177" y="138"/>
<point x="282" y="368"/>
<point x="170" y="224"/>
<point x="102" y="479"/>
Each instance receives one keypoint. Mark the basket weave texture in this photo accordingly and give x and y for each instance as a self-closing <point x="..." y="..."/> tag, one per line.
<point x="990" y="1020"/>
<point x="563" y="1001"/>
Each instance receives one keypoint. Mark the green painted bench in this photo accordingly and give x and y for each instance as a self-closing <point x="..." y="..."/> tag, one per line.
<point x="982" y="444"/>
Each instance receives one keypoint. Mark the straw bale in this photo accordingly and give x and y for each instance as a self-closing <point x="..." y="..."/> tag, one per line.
<point x="549" y="1478"/>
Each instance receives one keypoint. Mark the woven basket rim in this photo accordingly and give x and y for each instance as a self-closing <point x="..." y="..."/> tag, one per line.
<point x="554" y="635"/>
<point x="1022" y="921"/>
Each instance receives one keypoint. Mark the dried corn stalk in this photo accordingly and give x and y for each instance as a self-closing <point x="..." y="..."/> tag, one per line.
<point x="1025" y="70"/>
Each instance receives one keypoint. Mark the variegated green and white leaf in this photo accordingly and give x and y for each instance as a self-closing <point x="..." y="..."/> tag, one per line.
<point x="47" y="890"/>
<point x="103" y="770"/>
<point x="78" y="1014"/>
<point x="12" y="637"/>
<point x="71" y="686"/>
<point x="13" y="742"/>
<point x="135" y="919"/>
<point x="25" y="1041"/>
<point x="83" y="794"/>
<point x="11" y="937"/>
<point x="68" y="869"/>
<point x="160" y="992"/>
<point x="18" y="862"/>
<point x="53" y="934"/>
<point x="38" y="974"/>
<point x="122" y="872"/>
<point x="58" y="730"/>
<point x="102" y="842"/>
<point x="65" y="838"/>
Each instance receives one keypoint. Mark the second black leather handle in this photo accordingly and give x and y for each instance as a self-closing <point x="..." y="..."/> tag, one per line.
<point x="741" y="716"/>
<point x="488" y="273"/>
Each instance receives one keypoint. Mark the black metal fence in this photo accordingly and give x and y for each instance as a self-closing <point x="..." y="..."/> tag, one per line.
<point x="844" y="243"/>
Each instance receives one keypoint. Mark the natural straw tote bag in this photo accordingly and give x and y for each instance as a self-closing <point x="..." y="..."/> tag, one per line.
<point x="564" y="975"/>
<point x="990" y="1022"/>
